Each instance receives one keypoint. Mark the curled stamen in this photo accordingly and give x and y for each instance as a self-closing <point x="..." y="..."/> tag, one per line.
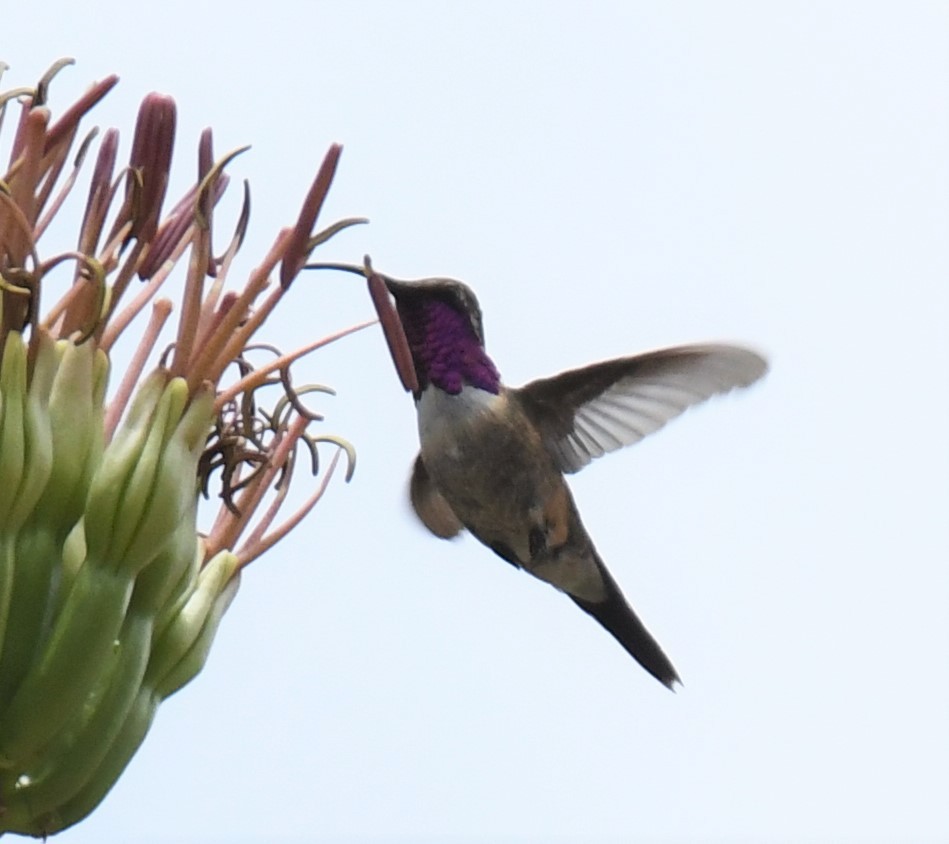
<point x="262" y="543"/>
<point x="88" y="270"/>
<point x="42" y="87"/>
<point x="251" y="380"/>
<point x="100" y="192"/>
<point x="70" y="183"/>
<point x="117" y="591"/>
<point x="79" y="109"/>
<point x="330" y="231"/>
<point x="206" y="189"/>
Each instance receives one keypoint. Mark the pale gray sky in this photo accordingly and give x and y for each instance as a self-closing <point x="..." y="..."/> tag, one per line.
<point x="608" y="178"/>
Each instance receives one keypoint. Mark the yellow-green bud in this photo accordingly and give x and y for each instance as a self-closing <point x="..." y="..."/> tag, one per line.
<point x="109" y="595"/>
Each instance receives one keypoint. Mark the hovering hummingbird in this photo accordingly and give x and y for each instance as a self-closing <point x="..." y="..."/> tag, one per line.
<point x="493" y="457"/>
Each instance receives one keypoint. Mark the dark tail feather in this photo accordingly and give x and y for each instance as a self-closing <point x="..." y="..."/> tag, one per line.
<point x="616" y="615"/>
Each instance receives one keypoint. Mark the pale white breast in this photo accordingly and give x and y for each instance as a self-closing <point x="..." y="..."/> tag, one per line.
<point x="442" y="418"/>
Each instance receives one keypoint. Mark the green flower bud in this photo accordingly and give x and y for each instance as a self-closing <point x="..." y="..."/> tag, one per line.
<point x="110" y="596"/>
<point x="181" y="649"/>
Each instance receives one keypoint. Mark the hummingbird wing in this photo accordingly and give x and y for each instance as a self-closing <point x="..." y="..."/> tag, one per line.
<point x="430" y="505"/>
<point x="585" y="413"/>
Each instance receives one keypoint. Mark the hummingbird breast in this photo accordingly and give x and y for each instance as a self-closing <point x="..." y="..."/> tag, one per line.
<point x="493" y="469"/>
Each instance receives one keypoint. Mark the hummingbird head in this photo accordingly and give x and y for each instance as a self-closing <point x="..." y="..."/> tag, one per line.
<point x="442" y="322"/>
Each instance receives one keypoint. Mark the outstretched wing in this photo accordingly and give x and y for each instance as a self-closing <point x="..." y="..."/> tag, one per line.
<point x="429" y="504"/>
<point x="588" y="412"/>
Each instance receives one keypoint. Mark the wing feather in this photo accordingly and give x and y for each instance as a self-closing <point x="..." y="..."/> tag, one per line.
<point x="430" y="505"/>
<point x="585" y="413"/>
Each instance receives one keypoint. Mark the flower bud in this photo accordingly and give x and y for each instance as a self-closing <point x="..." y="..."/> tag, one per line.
<point x="110" y="595"/>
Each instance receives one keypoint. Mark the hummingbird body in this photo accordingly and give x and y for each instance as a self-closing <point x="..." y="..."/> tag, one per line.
<point x="491" y="466"/>
<point x="493" y="458"/>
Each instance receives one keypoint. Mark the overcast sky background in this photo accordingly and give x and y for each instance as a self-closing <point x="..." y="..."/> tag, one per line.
<point x="608" y="178"/>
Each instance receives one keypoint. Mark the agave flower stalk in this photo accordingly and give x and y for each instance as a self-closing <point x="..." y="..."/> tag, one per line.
<point x="109" y="595"/>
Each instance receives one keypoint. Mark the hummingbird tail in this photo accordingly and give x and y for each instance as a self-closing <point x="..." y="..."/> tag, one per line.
<point x="616" y="615"/>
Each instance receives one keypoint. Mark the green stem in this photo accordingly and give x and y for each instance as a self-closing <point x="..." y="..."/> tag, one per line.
<point x="36" y="558"/>
<point x="7" y="584"/>
<point x="69" y="666"/>
<point x="78" y="751"/>
<point x="119" y="754"/>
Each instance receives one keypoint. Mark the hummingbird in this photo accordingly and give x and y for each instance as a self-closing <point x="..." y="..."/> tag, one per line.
<point x="493" y="458"/>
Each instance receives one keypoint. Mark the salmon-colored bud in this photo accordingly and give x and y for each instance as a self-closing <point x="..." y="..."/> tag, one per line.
<point x="394" y="332"/>
<point x="295" y="256"/>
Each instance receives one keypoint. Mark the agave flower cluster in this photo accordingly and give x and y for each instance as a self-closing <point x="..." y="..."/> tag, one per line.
<point x="109" y="595"/>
